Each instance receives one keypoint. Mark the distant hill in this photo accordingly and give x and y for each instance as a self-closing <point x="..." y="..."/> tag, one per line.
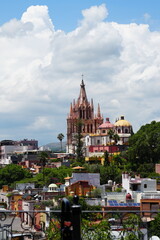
<point x="56" y="146"/>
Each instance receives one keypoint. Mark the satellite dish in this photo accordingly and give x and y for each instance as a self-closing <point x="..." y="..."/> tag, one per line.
<point x="154" y="238"/>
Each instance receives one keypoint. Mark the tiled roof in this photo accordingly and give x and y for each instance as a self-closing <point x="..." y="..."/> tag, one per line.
<point x="107" y="124"/>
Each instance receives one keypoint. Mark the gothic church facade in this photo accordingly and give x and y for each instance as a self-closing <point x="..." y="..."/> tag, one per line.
<point x="82" y="110"/>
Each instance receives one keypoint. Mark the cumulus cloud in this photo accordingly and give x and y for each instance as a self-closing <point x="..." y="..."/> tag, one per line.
<point x="39" y="17"/>
<point x="94" y="14"/>
<point x="41" y="71"/>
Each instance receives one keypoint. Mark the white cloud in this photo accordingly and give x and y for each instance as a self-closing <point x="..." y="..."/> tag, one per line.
<point x="39" y="17"/>
<point x="40" y="123"/>
<point x="94" y="14"/>
<point x="41" y="71"/>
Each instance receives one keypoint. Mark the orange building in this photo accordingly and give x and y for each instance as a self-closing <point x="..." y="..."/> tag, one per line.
<point x="79" y="188"/>
<point x="14" y="203"/>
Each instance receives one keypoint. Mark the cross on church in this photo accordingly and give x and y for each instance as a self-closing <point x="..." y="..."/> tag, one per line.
<point x="82" y="76"/>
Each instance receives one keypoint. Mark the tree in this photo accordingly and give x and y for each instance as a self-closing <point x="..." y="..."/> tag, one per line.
<point x="96" y="231"/>
<point x="106" y="158"/>
<point x="131" y="228"/>
<point x="116" y="138"/>
<point x="12" y="173"/>
<point x="119" y="161"/>
<point x="79" y="142"/>
<point x="154" y="226"/>
<point x="60" y="137"/>
<point x="110" y="134"/>
<point x="145" y="144"/>
<point x="111" y="172"/>
<point x="96" y="193"/>
<point x="43" y="157"/>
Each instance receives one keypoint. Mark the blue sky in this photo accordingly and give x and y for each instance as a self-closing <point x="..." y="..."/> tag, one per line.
<point x="66" y="14"/>
<point x="46" y="45"/>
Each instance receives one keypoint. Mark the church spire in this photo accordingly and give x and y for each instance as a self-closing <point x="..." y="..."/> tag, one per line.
<point x="98" y="112"/>
<point x="71" y="109"/>
<point x="92" y="106"/>
<point x="82" y="96"/>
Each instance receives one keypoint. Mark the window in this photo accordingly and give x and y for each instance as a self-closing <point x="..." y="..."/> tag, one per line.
<point x="134" y="187"/>
<point x="145" y="185"/>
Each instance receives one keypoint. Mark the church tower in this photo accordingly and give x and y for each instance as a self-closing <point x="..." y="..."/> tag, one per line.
<point x="82" y="110"/>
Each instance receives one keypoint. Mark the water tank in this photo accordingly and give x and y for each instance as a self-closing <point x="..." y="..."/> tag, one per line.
<point x="110" y="183"/>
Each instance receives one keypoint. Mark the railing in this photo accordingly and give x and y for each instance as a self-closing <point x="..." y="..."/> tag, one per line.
<point x="70" y="223"/>
<point x="150" y="196"/>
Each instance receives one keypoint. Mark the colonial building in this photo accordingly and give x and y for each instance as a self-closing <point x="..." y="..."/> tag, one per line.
<point x="124" y="130"/>
<point x="82" y="110"/>
<point x="105" y="127"/>
<point x="97" y="144"/>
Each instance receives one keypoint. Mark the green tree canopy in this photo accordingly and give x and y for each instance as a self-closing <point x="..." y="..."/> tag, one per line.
<point x="12" y="173"/>
<point x="154" y="226"/>
<point x="145" y="144"/>
<point x="111" y="134"/>
<point x="52" y="175"/>
<point x="43" y="157"/>
<point x="79" y="142"/>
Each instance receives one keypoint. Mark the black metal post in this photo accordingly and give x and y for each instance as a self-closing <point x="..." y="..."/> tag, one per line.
<point x="76" y="219"/>
<point x="66" y="233"/>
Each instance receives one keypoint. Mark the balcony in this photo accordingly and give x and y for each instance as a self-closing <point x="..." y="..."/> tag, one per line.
<point x="47" y="225"/>
<point x="150" y="196"/>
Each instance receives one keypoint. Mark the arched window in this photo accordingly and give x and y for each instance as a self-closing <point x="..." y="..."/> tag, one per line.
<point x="80" y="113"/>
<point x="83" y="114"/>
<point x="126" y="130"/>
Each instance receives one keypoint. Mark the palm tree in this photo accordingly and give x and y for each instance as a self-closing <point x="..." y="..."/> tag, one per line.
<point x="110" y="134"/>
<point x="116" y="138"/>
<point x="60" y="138"/>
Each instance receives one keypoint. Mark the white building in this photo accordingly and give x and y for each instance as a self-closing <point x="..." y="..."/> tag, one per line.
<point x="140" y="187"/>
<point x="96" y="139"/>
<point x="8" y="150"/>
<point x="27" y="215"/>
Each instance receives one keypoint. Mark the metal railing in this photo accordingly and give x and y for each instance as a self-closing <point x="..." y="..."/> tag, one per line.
<point x="70" y="223"/>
